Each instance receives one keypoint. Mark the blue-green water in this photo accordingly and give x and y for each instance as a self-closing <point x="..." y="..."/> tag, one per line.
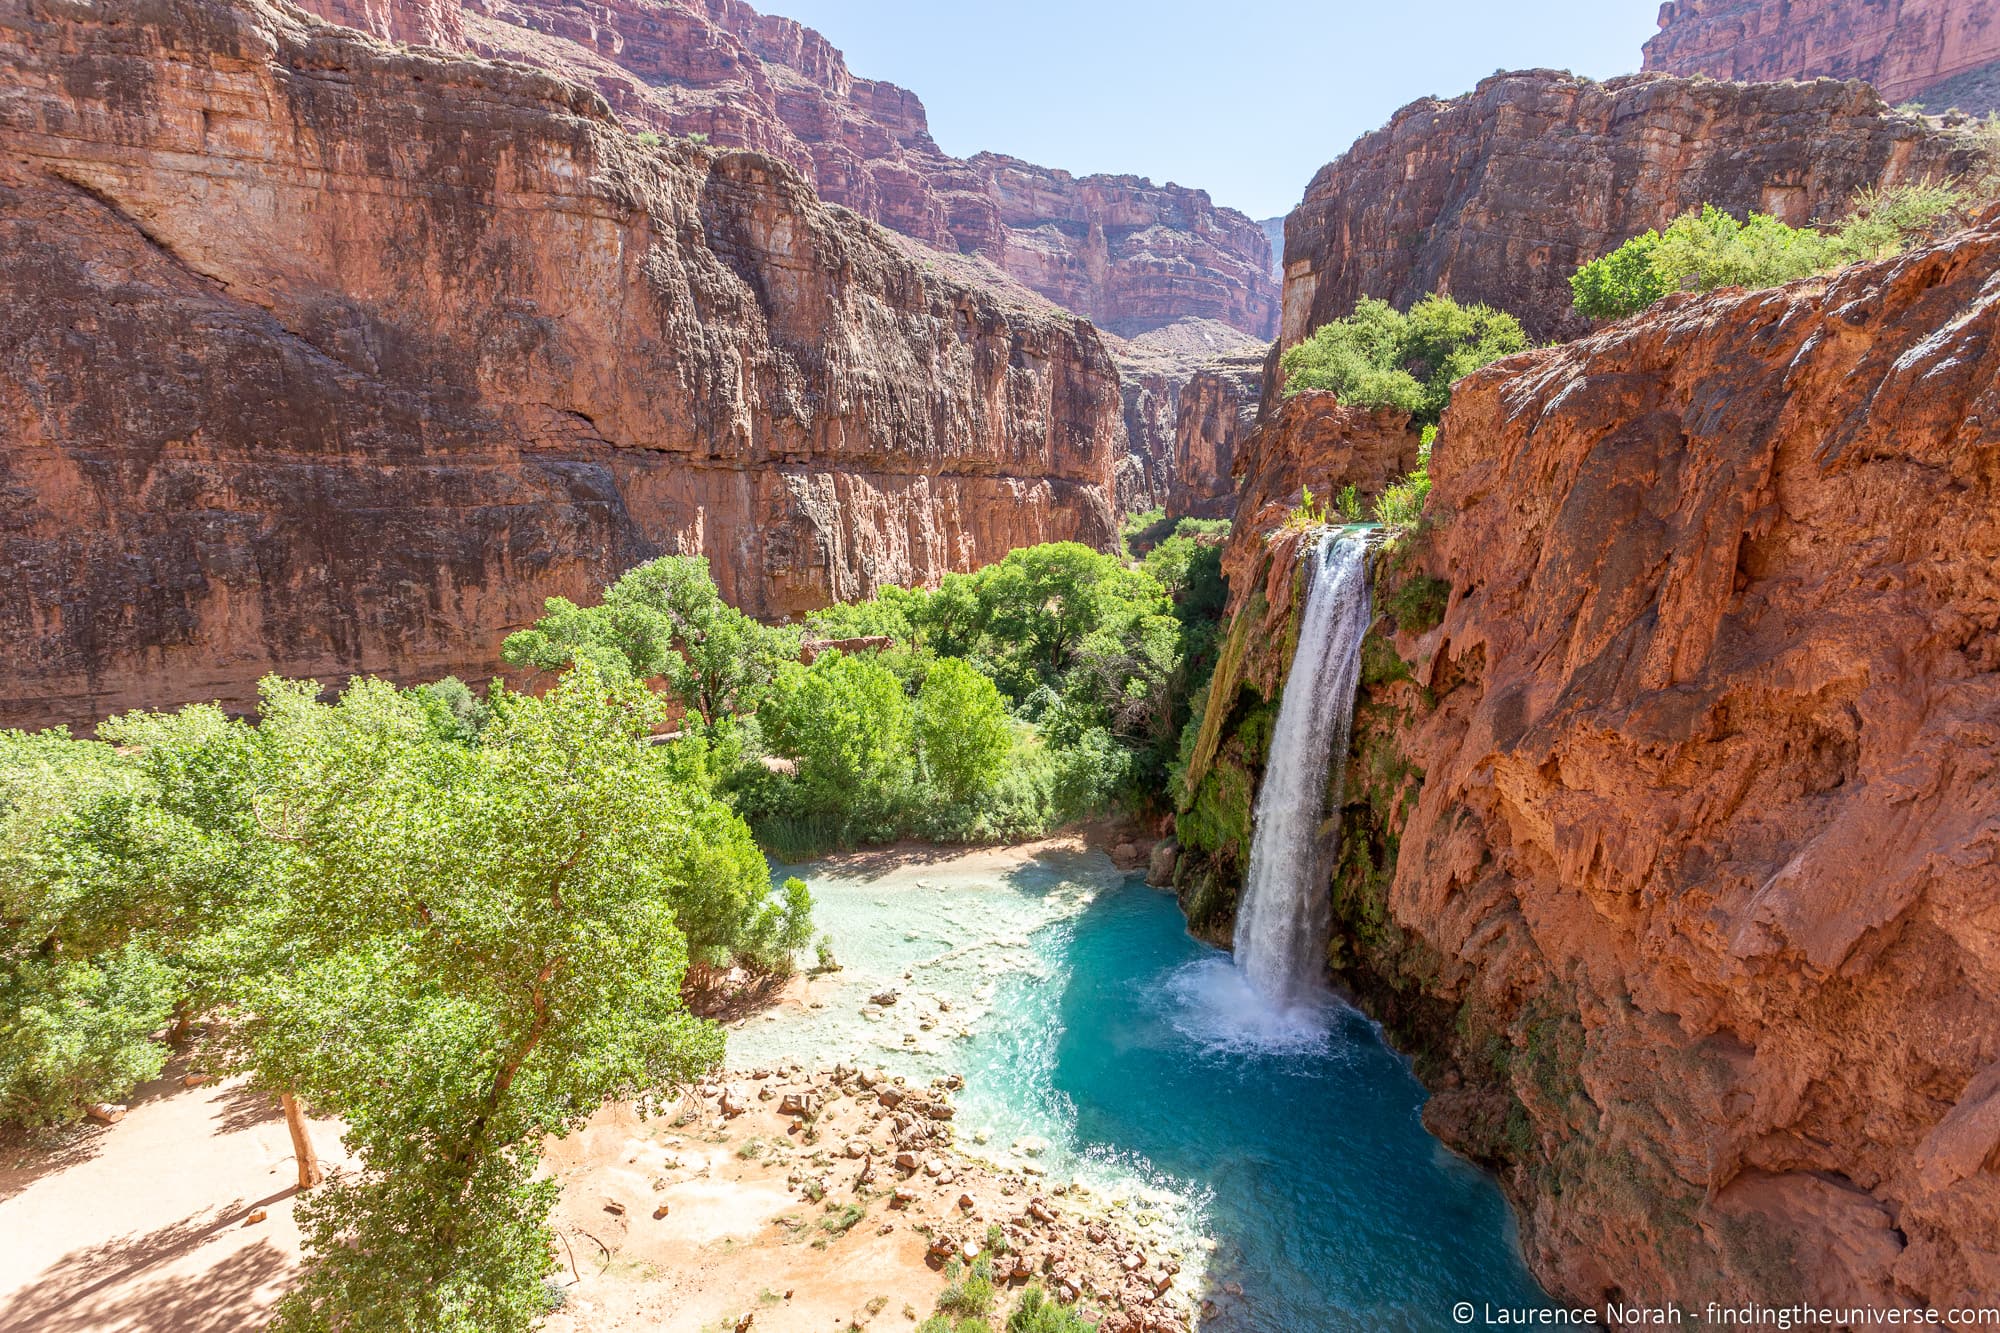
<point x="1284" y="1152"/>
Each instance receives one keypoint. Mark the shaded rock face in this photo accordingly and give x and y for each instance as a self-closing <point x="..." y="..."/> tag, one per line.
<point x="322" y="356"/>
<point x="1124" y="252"/>
<point x="1155" y="370"/>
<point x="1500" y="195"/>
<point x="1218" y="409"/>
<point x="1671" y="823"/>
<point x="1911" y="50"/>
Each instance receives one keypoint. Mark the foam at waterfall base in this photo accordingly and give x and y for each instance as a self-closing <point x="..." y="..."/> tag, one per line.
<point x="1216" y="1007"/>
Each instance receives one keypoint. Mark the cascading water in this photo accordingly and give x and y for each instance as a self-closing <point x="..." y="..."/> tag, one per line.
<point x="1282" y="924"/>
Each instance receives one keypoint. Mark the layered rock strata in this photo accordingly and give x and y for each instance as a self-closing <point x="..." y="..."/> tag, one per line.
<point x="1126" y="253"/>
<point x="1155" y="371"/>
<point x="322" y="356"/>
<point x="1498" y="196"/>
<point x="1217" y="410"/>
<point x="1671" y="823"/>
<point x="1911" y="50"/>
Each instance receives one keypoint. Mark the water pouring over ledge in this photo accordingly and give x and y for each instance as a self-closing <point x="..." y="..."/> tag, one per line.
<point x="1282" y="924"/>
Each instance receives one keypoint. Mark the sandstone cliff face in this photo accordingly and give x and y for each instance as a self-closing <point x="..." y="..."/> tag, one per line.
<point x="1499" y="196"/>
<point x="1672" y="820"/>
<point x="1912" y="50"/>
<point x="322" y="356"/>
<point x="1155" y="370"/>
<point x="1128" y="254"/>
<point x="1218" y="409"/>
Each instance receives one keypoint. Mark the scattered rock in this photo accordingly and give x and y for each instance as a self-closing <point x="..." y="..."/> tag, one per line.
<point x="256" y="1215"/>
<point x="884" y="998"/>
<point x="109" y="1113"/>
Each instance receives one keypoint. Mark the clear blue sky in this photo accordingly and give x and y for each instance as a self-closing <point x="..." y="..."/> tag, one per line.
<point x="1246" y="99"/>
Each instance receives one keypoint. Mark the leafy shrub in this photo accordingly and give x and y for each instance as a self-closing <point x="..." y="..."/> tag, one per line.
<point x="1308" y="513"/>
<point x="969" y="1295"/>
<point x="1627" y="280"/>
<point x="1708" y="248"/>
<point x="1381" y="357"/>
<point x="1038" y="1314"/>
<point x="1401" y="504"/>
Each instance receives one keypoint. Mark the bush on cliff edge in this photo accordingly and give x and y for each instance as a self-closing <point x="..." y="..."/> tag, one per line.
<point x="1380" y="357"/>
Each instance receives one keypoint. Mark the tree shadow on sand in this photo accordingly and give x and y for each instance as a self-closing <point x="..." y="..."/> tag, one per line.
<point x="244" y="1107"/>
<point x="24" y="1162"/>
<point x="83" y="1292"/>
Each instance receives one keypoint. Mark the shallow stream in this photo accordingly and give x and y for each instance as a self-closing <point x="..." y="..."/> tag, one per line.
<point x="1282" y="1152"/>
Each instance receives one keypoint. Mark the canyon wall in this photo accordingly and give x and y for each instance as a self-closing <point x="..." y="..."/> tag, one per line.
<point x="1120" y="250"/>
<point x="1671" y="822"/>
<point x="1217" y="409"/>
<point x="1156" y="370"/>
<point x="323" y="356"/>
<point x="1498" y="196"/>
<point x="1941" y="53"/>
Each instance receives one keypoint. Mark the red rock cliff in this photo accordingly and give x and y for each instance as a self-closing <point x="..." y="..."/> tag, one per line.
<point x="1673" y="814"/>
<point x="1155" y="372"/>
<point x="1939" y="52"/>
<point x="1499" y="196"/>
<point x="1217" y="410"/>
<point x="322" y="356"/>
<point x="1127" y="253"/>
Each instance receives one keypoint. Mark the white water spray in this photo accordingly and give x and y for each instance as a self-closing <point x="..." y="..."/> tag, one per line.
<point x="1282" y="924"/>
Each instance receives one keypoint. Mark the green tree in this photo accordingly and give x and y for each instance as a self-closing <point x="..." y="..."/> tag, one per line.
<point x="849" y="726"/>
<point x="112" y="860"/>
<point x="1382" y="357"/>
<point x="1623" y="282"/>
<point x="662" y="620"/>
<point x="962" y="730"/>
<point x="463" y="950"/>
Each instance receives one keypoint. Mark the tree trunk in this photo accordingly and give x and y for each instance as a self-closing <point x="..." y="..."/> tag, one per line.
<point x="310" y="1171"/>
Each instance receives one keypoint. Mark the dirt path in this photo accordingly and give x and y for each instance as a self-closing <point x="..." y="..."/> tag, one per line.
<point x="141" y="1225"/>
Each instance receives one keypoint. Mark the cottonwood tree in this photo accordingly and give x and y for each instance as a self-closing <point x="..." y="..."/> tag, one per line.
<point x="463" y="949"/>
<point x="665" y="621"/>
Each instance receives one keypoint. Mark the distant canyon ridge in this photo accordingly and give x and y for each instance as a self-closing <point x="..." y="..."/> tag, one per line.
<point x="338" y="351"/>
<point x="1127" y="254"/>
<point x="1939" y="54"/>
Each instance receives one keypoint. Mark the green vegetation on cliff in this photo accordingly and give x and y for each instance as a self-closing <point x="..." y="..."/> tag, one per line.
<point x="1380" y="357"/>
<point x="1708" y="248"/>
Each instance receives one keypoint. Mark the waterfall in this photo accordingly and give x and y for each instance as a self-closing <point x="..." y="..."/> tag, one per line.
<point x="1283" y="921"/>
